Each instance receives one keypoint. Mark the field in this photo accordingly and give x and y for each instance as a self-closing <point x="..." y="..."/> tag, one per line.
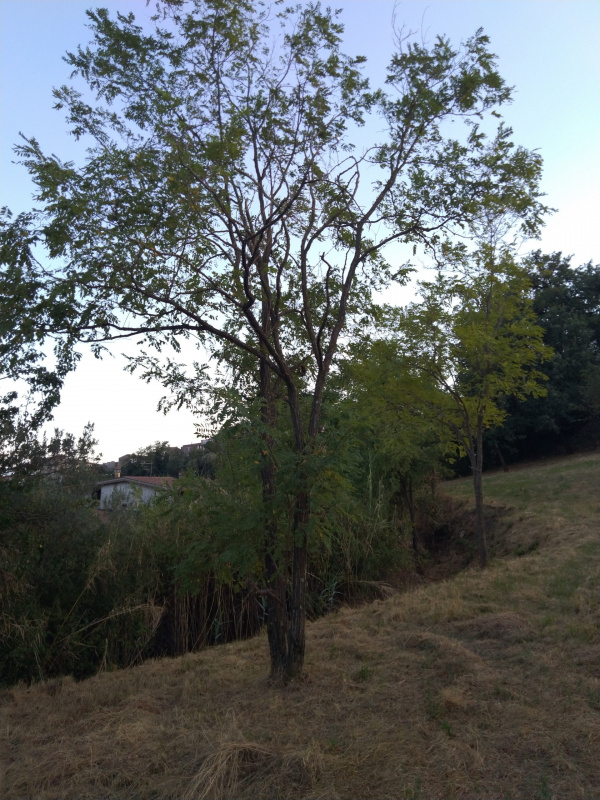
<point x="483" y="686"/>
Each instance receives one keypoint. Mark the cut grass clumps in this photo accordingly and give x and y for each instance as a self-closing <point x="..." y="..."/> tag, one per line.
<point x="485" y="685"/>
<point x="253" y="769"/>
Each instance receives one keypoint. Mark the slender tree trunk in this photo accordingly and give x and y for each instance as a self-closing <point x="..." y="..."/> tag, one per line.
<point x="304" y="445"/>
<point x="476" y="459"/>
<point x="411" y="511"/>
<point x="501" y="458"/>
<point x="287" y="609"/>
<point x="480" y="523"/>
<point x="407" y="490"/>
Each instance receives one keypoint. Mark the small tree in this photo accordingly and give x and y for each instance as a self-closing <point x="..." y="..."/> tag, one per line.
<point x="476" y="335"/>
<point x="223" y="201"/>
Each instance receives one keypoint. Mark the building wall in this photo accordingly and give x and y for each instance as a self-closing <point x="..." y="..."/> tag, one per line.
<point x="125" y="495"/>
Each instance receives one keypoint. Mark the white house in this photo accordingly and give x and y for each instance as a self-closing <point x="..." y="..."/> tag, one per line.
<point x="130" y="491"/>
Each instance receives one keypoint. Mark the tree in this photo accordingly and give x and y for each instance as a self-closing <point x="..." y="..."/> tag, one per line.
<point x="566" y="302"/>
<point x="477" y="336"/>
<point x="222" y="201"/>
<point x="159" y="459"/>
<point x="156" y="459"/>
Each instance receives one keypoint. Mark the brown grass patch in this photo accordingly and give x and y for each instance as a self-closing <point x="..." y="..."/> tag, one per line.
<point x="480" y="687"/>
<point x="505" y="627"/>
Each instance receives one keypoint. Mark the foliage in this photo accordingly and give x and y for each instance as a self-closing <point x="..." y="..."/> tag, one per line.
<point x="49" y="536"/>
<point x="352" y="537"/>
<point x="475" y="334"/>
<point x="82" y="592"/>
<point x="159" y="459"/>
<point x="400" y="432"/>
<point x="24" y="453"/>
<point x="22" y="284"/>
<point x="566" y="303"/>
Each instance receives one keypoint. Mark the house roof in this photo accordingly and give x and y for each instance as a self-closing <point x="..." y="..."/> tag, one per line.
<point x="145" y="480"/>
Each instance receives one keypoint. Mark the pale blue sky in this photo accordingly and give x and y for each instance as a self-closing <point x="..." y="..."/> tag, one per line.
<point x="548" y="49"/>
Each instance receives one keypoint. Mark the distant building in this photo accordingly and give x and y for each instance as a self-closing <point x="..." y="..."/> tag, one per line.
<point x="186" y="449"/>
<point x="130" y="491"/>
<point x="110" y="466"/>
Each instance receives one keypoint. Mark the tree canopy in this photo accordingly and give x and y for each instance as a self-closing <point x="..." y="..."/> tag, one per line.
<point x="566" y="302"/>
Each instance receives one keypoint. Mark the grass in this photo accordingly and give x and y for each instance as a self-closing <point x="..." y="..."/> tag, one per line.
<point x="556" y="486"/>
<point x="483" y="686"/>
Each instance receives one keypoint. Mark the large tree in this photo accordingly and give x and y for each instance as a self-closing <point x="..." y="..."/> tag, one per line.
<point x="222" y="200"/>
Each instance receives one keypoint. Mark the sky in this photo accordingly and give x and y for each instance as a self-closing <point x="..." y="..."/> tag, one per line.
<point x="547" y="49"/>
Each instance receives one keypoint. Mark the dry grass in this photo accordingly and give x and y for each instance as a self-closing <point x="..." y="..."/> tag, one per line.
<point x="482" y="686"/>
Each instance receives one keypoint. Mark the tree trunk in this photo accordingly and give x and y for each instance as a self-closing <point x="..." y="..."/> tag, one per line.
<point x="479" y="518"/>
<point x="296" y="634"/>
<point x="276" y="580"/>
<point x="277" y="620"/>
<point x="297" y="600"/>
<point x="274" y="560"/>
<point x="501" y="458"/>
<point x="476" y="459"/>
<point x="407" y="490"/>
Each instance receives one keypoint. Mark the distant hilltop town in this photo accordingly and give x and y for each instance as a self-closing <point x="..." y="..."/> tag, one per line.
<point x="162" y="460"/>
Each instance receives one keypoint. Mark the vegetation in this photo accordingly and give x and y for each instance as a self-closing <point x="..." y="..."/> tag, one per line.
<point x="222" y="201"/>
<point x="566" y="303"/>
<point x="477" y="338"/>
<point x="159" y="459"/>
<point x="49" y="537"/>
<point x="84" y="591"/>
<point x="223" y="204"/>
<point x="402" y="439"/>
<point x="481" y="686"/>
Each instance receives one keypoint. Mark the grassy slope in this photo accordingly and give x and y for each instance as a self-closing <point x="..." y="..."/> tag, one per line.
<point x="483" y="686"/>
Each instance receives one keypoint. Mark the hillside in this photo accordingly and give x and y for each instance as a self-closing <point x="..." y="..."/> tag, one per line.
<point x="483" y="686"/>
